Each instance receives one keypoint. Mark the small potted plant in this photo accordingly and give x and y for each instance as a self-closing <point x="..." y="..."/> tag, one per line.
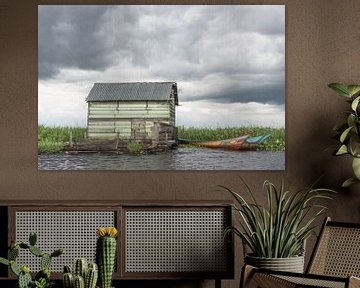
<point x="42" y="278"/>
<point x="275" y="233"/>
<point x="106" y="254"/>
<point x="84" y="274"/>
<point x="349" y="131"/>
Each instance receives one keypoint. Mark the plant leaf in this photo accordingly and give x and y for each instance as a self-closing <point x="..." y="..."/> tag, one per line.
<point x="355" y="103"/>
<point x="349" y="182"/>
<point x="345" y="134"/>
<point x="354" y="144"/>
<point x="342" y="150"/>
<point x="4" y="261"/>
<point x="356" y="167"/>
<point x="351" y="120"/>
<point x="14" y="268"/>
<point x="353" y="89"/>
<point x="340" y="88"/>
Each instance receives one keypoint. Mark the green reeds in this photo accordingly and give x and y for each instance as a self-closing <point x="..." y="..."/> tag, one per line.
<point x="53" y="139"/>
<point x="135" y="148"/>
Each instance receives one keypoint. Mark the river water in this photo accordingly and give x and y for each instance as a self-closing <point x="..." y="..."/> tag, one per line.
<point x="179" y="159"/>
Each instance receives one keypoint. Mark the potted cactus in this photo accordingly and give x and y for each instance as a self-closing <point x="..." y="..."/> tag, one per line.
<point x="42" y="278"/>
<point x="84" y="275"/>
<point x="106" y="254"/>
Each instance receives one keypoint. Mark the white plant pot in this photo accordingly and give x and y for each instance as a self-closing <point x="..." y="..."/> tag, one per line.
<point x="291" y="264"/>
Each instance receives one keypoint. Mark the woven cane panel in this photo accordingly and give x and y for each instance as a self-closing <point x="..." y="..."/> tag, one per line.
<point x="268" y="280"/>
<point x="308" y="282"/>
<point x="339" y="252"/>
<point x="74" y="231"/>
<point x="175" y="241"/>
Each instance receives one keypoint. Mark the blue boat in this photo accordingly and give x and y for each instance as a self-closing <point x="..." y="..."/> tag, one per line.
<point x="244" y="142"/>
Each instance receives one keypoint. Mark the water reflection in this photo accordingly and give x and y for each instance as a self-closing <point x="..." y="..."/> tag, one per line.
<point x="180" y="159"/>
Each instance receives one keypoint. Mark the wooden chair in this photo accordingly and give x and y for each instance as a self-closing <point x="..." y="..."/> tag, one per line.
<point x="334" y="263"/>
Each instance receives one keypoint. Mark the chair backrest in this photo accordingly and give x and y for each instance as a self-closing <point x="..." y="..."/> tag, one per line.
<point x="337" y="251"/>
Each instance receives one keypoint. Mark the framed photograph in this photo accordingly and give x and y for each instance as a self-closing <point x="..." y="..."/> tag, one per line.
<point x="161" y="87"/>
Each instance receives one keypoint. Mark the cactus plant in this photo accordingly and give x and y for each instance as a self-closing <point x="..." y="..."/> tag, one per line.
<point x="84" y="274"/>
<point x="91" y="276"/>
<point x="24" y="277"/>
<point x="36" y="251"/>
<point x="14" y="268"/>
<point x="43" y="274"/>
<point x="42" y="278"/>
<point x="4" y="261"/>
<point x="68" y="280"/>
<point x="13" y="253"/>
<point x="105" y="254"/>
<point x="45" y="261"/>
<point x="32" y="238"/>
<point x="80" y="267"/>
<point x="79" y="282"/>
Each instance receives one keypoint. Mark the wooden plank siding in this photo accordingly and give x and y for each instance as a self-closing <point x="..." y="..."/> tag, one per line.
<point x="128" y="119"/>
<point x="172" y="111"/>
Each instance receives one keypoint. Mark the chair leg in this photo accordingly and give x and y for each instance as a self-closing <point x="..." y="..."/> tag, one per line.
<point x="217" y="283"/>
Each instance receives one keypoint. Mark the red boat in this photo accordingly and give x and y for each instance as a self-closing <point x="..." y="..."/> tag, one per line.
<point x="244" y="142"/>
<point x="232" y="144"/>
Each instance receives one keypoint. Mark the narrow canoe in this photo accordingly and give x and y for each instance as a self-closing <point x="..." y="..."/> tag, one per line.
<point x="244" y="142"/>
<point x="253" y="143"/>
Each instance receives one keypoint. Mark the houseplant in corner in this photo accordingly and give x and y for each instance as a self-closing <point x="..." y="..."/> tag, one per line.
<point x="349" y="131"/>
<point x="276" y="233"/>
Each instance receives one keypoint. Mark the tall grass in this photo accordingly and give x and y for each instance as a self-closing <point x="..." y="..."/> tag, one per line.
<point x="53" y="139"/>
<point x="276" y="142"/>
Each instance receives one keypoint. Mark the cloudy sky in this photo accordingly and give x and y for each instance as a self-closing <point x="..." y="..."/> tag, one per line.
<point x="228" y="61"/>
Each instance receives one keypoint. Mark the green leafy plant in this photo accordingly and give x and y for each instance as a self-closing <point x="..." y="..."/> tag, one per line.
<point x="349" y="131"/>
<point x="42" y="278"/>
<point x="43" y="283"/>
<point x="135" y="148"/>
<point x="279" y="229"/>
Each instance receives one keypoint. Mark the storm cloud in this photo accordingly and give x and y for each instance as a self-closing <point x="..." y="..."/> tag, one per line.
<point x="219" y="54"/>
<point x="69" y="38"/>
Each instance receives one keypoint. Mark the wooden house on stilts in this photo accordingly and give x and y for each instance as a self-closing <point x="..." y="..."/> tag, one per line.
<point x="124" y="112"/>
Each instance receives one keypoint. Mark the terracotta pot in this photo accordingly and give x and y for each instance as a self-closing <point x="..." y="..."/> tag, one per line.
<point x="291" y="264"/>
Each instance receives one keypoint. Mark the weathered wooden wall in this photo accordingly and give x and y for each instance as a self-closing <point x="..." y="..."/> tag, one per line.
<point x="128" y="119"/>
<point x="172" y="108"/>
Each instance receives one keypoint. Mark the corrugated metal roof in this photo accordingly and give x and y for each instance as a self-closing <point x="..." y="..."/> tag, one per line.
<point x="138" y="91"/>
